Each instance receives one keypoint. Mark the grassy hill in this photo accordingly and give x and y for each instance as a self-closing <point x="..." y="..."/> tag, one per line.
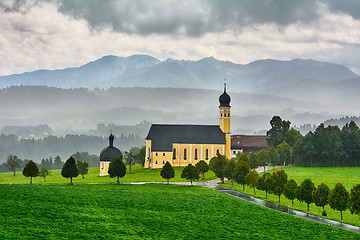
<point x="152" y="211"/>
<point x="348" y="176"/>
<point x="140" y="175"/>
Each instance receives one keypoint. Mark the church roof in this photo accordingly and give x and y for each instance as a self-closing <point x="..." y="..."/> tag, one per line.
<point x="224" y="98"/>
<point x="164" y="135"/>
<point x="108" y="153"/>
<point x="248" y="141"/>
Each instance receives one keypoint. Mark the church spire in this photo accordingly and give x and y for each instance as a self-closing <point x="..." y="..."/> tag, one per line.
<point x="111" y="139"/>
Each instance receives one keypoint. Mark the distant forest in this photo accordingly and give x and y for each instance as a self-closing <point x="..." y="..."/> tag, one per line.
<point x="51" y="146"/>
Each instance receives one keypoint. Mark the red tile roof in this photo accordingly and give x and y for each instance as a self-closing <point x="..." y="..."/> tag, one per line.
<point x="248" y="141"/>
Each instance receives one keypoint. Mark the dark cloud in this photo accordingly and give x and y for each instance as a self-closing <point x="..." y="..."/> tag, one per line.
<point x="351" y="7"/>
<point x="193" y="17"/>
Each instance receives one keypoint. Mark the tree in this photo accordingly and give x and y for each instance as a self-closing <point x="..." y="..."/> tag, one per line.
<point x="263" y="158"/>
<point x="240" y="172"/>
<point x="284" y="151"/>
<point x="203" y="167"/>
<point x="191" y="173"/>
<point x="305" y="191"/>
<point x="339" y="198"/>
<point x="254" y="162"/>
<point x="354" y="201"/>
<point x="274" y="156"/>
<point x="218" y="165"/>
<point x="83" y="168"/>
<point x="278" y="131"/>
<point x="251" y="179"/>
<point x="261" y="184"/>
<point x="141" y="156"/>
<point x="132" y="157"/>
<point x="58" y="163"/>
<point x="30" y="170"/>
<point x="44" y="172"/>
<point x="13" y="162"/>
<point x="276" y="182"/>
<point x="230" y="170"/>
<point x="290" y="190"/>
<point x="167" y="171"/>
<point x="321" y="196"/>
<point x="69" y="169"/>
<point x="240" y="156"/>
<point x="117" y="169"/>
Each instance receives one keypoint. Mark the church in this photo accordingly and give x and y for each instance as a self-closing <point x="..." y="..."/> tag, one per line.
<point x="181" y="145"/>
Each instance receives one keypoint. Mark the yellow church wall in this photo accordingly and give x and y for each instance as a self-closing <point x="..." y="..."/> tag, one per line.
<point x="158" y="159"/>
<point x="104" y="168"/>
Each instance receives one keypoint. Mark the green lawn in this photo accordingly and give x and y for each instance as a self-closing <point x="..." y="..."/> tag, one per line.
<point x="140" y="175"/>
<point x="152" y="211"/>
<point x="348" y="176"/>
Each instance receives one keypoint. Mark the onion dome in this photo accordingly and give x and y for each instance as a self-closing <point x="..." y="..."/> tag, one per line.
<point x="224" y="98"/>
<point x="108" y="153"/>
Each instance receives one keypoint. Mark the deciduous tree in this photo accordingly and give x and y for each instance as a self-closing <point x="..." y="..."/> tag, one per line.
<point x="218" y="165"/>
<point x="276" y="182"/>
<point x="190" y="173"/>
<point x="230" y="170"/>
<point x="44" y="172"/>
<point x="251" y="179"/>
<point x="167" y="171"/>
<point x="203" y="167"/>
<point x="83" y="168"/>
<point x="290" y="190"/>
<point x="284" y="151"/>
<point x="321" y="196"/>
<point x="13" y="162"/>
<point x="241" y="170"/>
<point x="305" y="191"/>
<point x="117" y="169"/>
<point x="261" y="184"/>
<point x="30" y="170"/>
<point x="339" y="198"/>
<point x="263" y="158"/>
<point x="69" y="169"/>
<point x="354" y="201"/>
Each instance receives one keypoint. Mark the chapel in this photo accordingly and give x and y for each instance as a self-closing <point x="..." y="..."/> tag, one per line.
<point x="181" y="145"/>
<point x="107" y="154"/>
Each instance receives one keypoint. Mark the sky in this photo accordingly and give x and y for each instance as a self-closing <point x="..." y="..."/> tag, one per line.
<point x="57" y="34"/>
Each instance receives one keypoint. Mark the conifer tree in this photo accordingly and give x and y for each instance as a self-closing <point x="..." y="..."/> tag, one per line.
<point x="83" y="168"/>
<point x="117" y="169"/>
<point x="167" y="171"/>
<point x="69" y="169"/>
<point x="354" y="202"/>
<point x="30" y="170"/>
<point x="261" y="184"/>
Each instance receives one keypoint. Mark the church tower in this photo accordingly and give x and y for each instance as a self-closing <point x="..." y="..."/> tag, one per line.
<point x="224" y="112"/>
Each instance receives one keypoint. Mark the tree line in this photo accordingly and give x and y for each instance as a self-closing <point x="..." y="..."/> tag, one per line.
<point x="277" y="183"/>
<point x="325" y="147"/>
<point x="37" y="149"/>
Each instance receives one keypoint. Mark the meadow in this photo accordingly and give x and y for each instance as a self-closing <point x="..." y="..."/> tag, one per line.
<point x="150" y="211"/>
<point x="348" y="176"/>
<point x="140" y="174"/>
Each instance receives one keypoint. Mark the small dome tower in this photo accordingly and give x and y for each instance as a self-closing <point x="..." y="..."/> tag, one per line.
<point x="107" y="154"/>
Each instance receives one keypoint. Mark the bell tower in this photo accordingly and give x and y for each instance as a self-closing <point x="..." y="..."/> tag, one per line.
<point x="224" y="112"/>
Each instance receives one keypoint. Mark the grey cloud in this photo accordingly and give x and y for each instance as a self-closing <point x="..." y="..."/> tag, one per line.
<point x="351" y="7"/>
<point x="193" y="17"/>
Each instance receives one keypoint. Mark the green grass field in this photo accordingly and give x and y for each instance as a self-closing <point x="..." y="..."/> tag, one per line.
<point x="151" y="211"/>
<point x="348" y="176"/>
<point x="140" y="175"/>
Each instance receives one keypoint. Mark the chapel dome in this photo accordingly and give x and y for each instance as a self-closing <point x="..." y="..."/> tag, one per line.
<point x="108" y="153"/>
<point x="224" y="98"/>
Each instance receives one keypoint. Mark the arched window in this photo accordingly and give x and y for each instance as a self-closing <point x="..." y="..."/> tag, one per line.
<point x="102" y="165"/>
<point x="196" y="154"/>
<point x="156" y="162"/>
<point x="224" y="114"/>
<point x="217" y="151"/>
<point x="185" y="153"/>
<point x="206" y="154"/>
<point x="163" y="162"/>
<point x="148" y="153"/>
<point x="221" y="115"/>
<point x="174" y="153"/>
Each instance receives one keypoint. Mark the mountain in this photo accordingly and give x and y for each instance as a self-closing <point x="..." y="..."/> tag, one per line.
<point x="207" y="73"/>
